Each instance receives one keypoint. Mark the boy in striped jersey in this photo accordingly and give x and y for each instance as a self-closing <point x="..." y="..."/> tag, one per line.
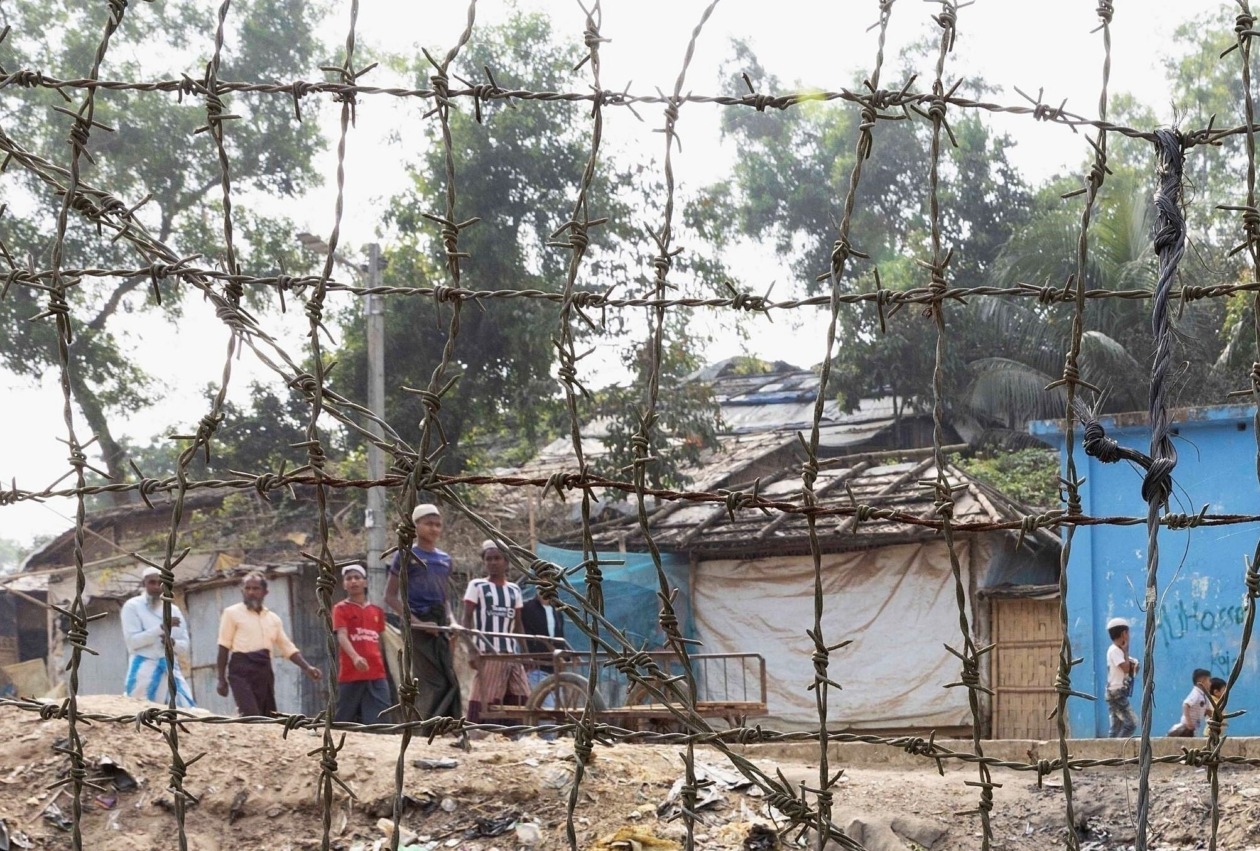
<point x="493" y="605"/>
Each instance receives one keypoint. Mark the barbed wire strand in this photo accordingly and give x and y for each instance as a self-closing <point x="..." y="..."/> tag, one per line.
<point x="59" y="311"/>
<point x="969" y="656"/>
<point x="1070" y="482"/>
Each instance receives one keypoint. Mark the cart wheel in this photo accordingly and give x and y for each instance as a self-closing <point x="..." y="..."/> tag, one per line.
<point x="566" y="693"/>
<point x="639" y="696"/>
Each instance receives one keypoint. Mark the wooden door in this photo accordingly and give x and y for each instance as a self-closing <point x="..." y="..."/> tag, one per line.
<point x="1027" y="634"/>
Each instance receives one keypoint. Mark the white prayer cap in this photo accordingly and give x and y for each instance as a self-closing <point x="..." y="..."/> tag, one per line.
<point x="1115" y="622"/>
<point x="491" y="544"/>
<point x="424" y="509"/>
<point x="149" y="571"/>
<point x="354" y="568"/>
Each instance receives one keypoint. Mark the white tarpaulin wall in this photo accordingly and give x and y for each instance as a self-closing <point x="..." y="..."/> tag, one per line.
<point x="896" y="604"/>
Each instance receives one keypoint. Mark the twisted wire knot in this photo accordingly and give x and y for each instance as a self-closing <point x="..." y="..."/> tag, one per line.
<point x="747" y="301"/>
<point x="917" y="746"/>
<point x="1183" y="521"/>
<point x="229" y="315"/>
<point x="214" y="106"/>
<point x="80" y="131"/>
<point x="794" y="808"/>
<point x="641" y="444"/>
<point x="314" y="309"/>
<point x="750" y="735"/>
<point x="1097" y="173"/>
<point x="579" y="237"/>
<point x="1197" y="757"/>
<point x="948" y="17"/>
<point x="661" y="264"/>
<point x="938" y="286"/>
<point x="54" y="711"/>
<point x="1252" y="581"/>
<point x="432" y="401"/>
<point x="1074" y="505"/>
<point x="1251" y="221"/>
<point x="936" y="108"/>
<point x="1243" y="23"/>
<point x="150" y="718"/>
<point x="208" y="425"/>
<point x="1106" y="10"/>
<point x="583" y="741"/>
<point x="441" y="725"/>
<point x="591" y="37"/>
<point x="546" y="574"/>
<point x="293" y="722"/>
<point x="58" y="306"/>
<point x="27" y="78"/>
<point x="326" y="581"/>
<point x="1047" y="295"/>
<point x="585" y="298"/>
<point x="809" y="472"/>
<point x="669" y="621"/>
<point x="1044" y="112"/>
<point x="970" y="674"/>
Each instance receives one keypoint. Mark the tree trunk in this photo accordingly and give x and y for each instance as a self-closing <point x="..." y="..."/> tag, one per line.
<point x="94" y="412"/>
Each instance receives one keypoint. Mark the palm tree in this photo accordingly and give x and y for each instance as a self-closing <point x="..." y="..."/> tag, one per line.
<point x="1027" y="341"/>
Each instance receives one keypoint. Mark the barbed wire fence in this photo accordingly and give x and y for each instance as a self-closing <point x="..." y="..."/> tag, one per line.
<point x="413" y="465"/>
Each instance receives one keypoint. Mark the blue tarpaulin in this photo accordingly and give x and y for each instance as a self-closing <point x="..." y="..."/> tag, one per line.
<point x="630" y="589"/>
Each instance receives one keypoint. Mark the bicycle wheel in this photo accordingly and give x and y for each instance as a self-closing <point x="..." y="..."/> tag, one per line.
<point x="560" y="696"/>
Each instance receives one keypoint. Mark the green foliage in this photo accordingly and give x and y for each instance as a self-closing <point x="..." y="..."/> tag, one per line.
<point x="254" y="439"/>
<point x="789" y="187"/>
<point x="687" y="414"/>
<point x="152" y="151"/>
<point x="518" y="171"/>
<point x="1028" y="476"/>
<point x="12" y="553"/>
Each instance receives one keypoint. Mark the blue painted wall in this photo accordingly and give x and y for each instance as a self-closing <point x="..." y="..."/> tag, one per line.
<point x="1201" y="607"/>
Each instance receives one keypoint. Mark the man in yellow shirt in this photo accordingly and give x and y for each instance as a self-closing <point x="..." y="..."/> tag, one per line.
<point x="249" y="633"/>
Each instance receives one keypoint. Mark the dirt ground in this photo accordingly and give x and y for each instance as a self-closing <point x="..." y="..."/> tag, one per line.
<point x="258" y="791"/>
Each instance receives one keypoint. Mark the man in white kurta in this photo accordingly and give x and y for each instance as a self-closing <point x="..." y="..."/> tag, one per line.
<point x="146" y="636"/>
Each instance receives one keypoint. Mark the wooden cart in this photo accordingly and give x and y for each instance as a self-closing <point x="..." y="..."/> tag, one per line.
<point x="729" y="686"/>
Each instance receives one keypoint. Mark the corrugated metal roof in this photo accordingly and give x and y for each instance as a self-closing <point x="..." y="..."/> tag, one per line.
<point x="708" y="528"/>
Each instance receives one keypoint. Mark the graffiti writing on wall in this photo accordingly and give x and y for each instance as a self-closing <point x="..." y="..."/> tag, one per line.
<point x="1180" y="621"/>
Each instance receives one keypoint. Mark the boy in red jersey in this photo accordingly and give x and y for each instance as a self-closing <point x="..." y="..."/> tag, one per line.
<point x="362" y="689"/>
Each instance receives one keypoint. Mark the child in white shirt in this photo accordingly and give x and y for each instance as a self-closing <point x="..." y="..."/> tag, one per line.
<point x="1195" y="707"/>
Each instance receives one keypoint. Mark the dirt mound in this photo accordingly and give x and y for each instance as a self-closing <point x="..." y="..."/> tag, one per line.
<point x="258" y="790"/>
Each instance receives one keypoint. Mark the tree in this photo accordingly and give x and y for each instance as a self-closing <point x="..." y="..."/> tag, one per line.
<point x="687" y="413"/>
<point x="153" y="150"/>
<point x="789" y="187"/>
<point x="517" y="170"/>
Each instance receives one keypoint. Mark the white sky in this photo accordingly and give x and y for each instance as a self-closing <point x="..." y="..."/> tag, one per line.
<point x="819" y="44"/>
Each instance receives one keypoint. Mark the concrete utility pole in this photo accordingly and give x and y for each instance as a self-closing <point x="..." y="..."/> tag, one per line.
<point x="377" y="520"/>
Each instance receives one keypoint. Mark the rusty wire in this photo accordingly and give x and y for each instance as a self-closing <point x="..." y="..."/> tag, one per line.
<point x="414" y="470"/>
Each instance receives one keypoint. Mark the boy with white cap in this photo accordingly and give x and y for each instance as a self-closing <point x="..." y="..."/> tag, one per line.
<point x="428" y="573"/>
<point x="362" y="688"/>
<point x="1120" y="670"/>
<point x="147" y="636"/>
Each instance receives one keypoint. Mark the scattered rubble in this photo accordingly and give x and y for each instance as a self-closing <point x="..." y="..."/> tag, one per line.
<point x="255" y="788"/>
